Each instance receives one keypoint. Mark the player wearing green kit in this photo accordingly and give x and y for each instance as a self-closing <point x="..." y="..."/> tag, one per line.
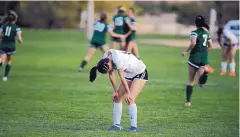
<point x="119" y="21"/>
<point x="200" y="44"/>
<point x="9" y="30"/>
<point x="99" y="39"/>
<point x="131" y="39"/>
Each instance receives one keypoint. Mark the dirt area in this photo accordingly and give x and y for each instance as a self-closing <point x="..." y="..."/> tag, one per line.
<point x="167" y="42"/>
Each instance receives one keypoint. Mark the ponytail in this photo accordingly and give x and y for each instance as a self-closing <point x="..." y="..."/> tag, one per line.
<point x="93" y="74"/>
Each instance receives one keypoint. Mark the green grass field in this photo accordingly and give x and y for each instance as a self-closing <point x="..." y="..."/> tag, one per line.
<point x="46" y="96"/>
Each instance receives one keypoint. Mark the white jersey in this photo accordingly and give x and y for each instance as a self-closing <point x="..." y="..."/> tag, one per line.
<point x="229" y="35"/>
<point x="130" y="64"/>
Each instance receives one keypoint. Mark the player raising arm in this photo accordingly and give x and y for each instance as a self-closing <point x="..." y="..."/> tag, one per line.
<point x="200" y="44"/>
<point x="133" y="76"/>
<point x="9" y="30"/>
<point x="99" y="39"/>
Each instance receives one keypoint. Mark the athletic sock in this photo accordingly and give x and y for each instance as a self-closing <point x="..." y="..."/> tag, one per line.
<point x="232" y="67"/>
<point x="7" y="70"/>
<point x="224" y="66"/>
<point x="189" y="90"/>
<point x="83" y="64"/>
<point x="132" y="109"/>
<point x="117" y="113"/>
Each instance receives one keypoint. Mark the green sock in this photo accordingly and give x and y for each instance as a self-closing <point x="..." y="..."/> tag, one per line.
<point x="7" y="70"/>
<point x="83" y="64"/>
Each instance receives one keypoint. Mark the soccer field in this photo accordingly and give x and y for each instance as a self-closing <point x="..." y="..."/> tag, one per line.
<point x="46" y="96"/>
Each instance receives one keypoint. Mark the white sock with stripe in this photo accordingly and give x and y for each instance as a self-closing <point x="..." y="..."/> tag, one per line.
<point x="132" y="109"/>
<point x="117" y="113"/>
<point x="232" y="67"/>
<point x="224" y="66"/>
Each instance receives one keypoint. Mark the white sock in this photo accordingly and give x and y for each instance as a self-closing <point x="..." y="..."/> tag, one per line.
<point x="224" y="66"/>
<point x="132" y="109"/>
<point x="232" y="67"/>
<point x="117" y="113"/>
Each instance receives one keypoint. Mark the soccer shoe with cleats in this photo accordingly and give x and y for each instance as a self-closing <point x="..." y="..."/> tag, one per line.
<point x="4" y="78"/>
<point x="222" y="73"/>
<point x="232" y="74"/>
<point x="209" y="69"/>
<point x="80" y="69"/>
<point x="133" y="129"/>
<point x="187" y="104"/>
<point x="116" y="127"/>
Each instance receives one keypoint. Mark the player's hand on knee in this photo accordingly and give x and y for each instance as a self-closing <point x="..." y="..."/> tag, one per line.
<point x="115" y="96"/>
<point x="129" y="99"/>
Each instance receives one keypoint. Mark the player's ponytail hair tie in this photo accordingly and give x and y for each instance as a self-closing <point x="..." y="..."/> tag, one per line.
<point x="102" y="67"/>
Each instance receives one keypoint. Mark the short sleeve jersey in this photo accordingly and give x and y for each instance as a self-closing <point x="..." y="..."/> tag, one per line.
<point x="199" y="54"/>
<point x="100" y="30"/>
<point x="119" y="22"/>
<point x="9" y="33"/>
<point x="127" y="61"/>
<point x="227" y="34"/>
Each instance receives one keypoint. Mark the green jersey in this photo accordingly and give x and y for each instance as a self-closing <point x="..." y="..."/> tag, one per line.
<point x="199" y="54"/>
<point x="9" y="33"/>
<point x="99" y="35"/>
<point x="119" y="22"/>
<point x="133" y="34"/>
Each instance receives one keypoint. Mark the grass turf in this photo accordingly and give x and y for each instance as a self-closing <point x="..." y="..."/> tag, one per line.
<point x="46" y="96"/>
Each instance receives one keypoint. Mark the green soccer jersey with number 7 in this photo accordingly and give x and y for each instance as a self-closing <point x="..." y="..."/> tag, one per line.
<point x="199" y="54"/>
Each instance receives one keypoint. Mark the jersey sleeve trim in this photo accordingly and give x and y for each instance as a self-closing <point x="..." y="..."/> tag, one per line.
<point x="1" y="28"/>
<point x="18" y="30"/>
<point x="109" y="28"/>
<point x="193" y="34"/>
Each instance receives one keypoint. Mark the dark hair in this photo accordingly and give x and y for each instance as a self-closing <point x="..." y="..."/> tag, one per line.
<point x="120" y="10"/>
<point x="102" y="67"/>
<point x="103" y="17"/>
<point x="219" y="33"/>
<point x="12" y="16"/>
<point x="200" y="22"/>
<point x="132" y="9"/>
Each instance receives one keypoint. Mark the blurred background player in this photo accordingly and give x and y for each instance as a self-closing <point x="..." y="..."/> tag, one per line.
<point x="119" y="21"/>
<point x="133" y="76"/>
<point x="98" y="40"/>
<point x="9" y="30"/>
<point x="200" y="44"/>
<point x="131" y="39"/>
<point x="229" y="44"/>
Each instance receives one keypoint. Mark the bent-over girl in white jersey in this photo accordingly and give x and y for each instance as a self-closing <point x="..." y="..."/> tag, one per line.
<point x="133" y="75"/>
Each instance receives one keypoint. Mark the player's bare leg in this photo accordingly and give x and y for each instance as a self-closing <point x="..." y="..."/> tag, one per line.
<point x="189" y="87"/>
<point x="104" y="48"/>
<point x="224" y="61"/>
<point x="90" y="53"/>
<point x="232" y="65"/>
<point x="2" y="59"/>
<point x="123" y="46"/>
<point x="135" y="49"/>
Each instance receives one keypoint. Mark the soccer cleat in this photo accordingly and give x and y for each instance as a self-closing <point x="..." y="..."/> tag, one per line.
<point x="187" y="104"/>
<point x="4" y="78"/>
<point x="116" y="127"/>
<point x="80" y="69"/>
<point x="232" y="73"/>
<point x="209" y="69"/>
<point x="133" y="129"/>
<point x="222" y="73"/>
